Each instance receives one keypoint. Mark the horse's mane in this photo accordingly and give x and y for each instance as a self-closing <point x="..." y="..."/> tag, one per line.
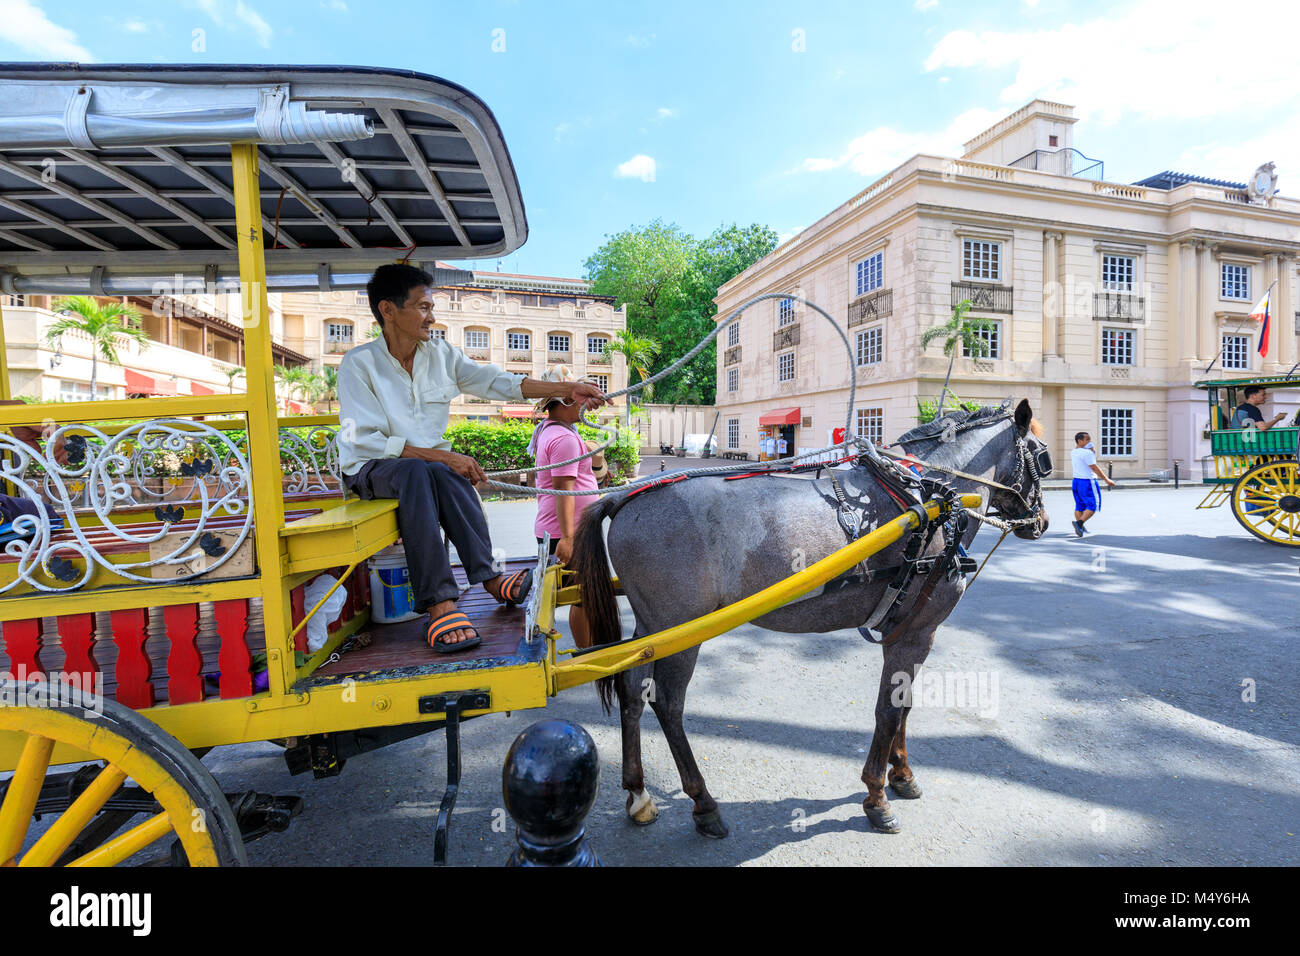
<point x="960" y="417"/>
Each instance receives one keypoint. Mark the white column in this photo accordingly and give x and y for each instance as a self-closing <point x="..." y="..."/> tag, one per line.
<point x="1053" y="295"/>
<point x="1207" y="342"/>
<point x="1184" y="300"/>
<point x="1283" y="332"/>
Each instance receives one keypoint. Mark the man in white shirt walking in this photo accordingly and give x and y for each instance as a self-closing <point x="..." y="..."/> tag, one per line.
<point x="395" y="394"/>
<point x="1087" y="493"/>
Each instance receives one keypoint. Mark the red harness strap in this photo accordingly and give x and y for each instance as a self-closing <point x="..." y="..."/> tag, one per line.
<point x="655" y="484"/>
<point x="746" y="474"/>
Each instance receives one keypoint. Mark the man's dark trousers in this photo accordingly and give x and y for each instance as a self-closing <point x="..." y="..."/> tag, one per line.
<point x="428" y="494"/>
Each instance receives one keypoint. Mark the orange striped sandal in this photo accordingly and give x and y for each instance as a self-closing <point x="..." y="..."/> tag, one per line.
<point x="513" y="588"/>
<point x="451" y="621"/>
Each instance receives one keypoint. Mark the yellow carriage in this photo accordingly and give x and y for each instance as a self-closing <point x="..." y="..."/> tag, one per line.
<point x="137" y="608"/>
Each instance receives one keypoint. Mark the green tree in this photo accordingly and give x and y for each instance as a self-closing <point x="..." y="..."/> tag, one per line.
<point x="958" y="330"/>
<point x="232" y="373"/>
<point x="294" y="379"/>
<point x="104" y="323"/>
<point x="640" y="352"/>
<point x="330" y="376"/>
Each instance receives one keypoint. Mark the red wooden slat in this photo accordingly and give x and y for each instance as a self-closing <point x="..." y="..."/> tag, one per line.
<point x="184" y="663"/>
<point x="298" y="602"/>
<point x="77" y="633"/>
<point x="234" y="658"/>
<point x="134" y="671"/>
<point x="23" y="647"/>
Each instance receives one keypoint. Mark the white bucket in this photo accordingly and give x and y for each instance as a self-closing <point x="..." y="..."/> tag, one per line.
<point x="391" y="598"/>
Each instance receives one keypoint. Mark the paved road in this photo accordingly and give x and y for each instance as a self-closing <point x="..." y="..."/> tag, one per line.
<point x="1116" y="731"/>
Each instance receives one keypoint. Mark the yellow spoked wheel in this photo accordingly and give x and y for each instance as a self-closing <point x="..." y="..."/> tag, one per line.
<point x="143" y="766"/>
<point x="1266" y="502"/>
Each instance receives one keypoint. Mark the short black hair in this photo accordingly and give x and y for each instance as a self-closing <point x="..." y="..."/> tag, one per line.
<point x="1254" y="390"/>
<point x="393" y="283"/>
<point x="1080" y="436"/>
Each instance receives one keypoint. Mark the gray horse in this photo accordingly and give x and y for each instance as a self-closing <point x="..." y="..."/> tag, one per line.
<point x="694" y="546"/>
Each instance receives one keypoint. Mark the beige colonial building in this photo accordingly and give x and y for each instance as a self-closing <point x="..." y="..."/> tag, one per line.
<point x="522" y="323"/>
<point x="1104" y="302"/>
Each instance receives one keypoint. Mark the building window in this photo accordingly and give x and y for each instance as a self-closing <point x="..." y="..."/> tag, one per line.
<point x="602" y="382"/>
<point x="869" y="274"/>
<point x="784" y="312"/>
<point x="1236" y="351"/>
<point x="1116" y="433"/>
<point x="870" y="349"/>
<point x="871" y="424"/>
<point x="991" y="333"/>
<point x="476" y="338"/>
<point x="440" y="334"/>
<point x="785" y="367"/>
<point x="557" y="343"/>
<point x="596" y="344"/>
<point x="76" y="391"/>
<point x="478" y="418"/>
<point x="1235" y="282"/>
<point x="1116" y="346"/>
<point x="338" y="332"/>
<point x="733" y="379"/>
<point x="733" y="334"/>
<point x="519" y="342"/>
<point x="1117" y="273"/>
<point x="981" y="260"/>
<point x="733" y="432"/>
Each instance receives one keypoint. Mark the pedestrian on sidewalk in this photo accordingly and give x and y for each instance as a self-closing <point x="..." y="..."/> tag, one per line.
<point x="1087" y="493"/>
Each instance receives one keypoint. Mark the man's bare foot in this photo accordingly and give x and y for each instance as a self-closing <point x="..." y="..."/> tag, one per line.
<point x="456" y="636"/>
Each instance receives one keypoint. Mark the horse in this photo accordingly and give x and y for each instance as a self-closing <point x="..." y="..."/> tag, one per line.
<point x="693" y="546"/>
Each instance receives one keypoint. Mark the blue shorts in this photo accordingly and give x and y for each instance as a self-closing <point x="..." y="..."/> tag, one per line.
<point x="1087" y="494"/>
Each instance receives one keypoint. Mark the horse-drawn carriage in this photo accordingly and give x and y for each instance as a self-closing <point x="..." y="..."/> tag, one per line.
<point x="154" y="603"/>
<point x="1256" y="470"/>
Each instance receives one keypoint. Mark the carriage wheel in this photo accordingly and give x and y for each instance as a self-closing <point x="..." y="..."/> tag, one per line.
<point x="1266" y="502"/>
<point x="191" y="808"/>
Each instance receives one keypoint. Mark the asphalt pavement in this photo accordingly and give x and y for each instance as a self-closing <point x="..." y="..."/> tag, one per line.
<point x="1126" y="698"/>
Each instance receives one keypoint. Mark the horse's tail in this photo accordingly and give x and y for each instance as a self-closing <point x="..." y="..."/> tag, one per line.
<point x="598" y="600"/>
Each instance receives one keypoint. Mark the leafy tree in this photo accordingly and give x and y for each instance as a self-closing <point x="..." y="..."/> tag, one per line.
<point x="330" y="376"/>
<point x="958" y="330"/>
<point x="294" y="379"/>
<point x="104" y="323"/>
<point x="232" y="373"/>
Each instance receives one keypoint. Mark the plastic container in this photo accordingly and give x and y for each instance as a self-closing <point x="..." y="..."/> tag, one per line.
<point x="391" y="599"/>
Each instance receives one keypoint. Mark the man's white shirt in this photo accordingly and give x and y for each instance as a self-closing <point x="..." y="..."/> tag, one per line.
<point x="382" y="409"/>
<point x="1081" y="461"/>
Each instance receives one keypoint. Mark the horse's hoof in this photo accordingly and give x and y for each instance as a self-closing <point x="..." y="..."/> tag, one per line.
<point x="710" y="825"/>
<point x="883" y="819"/>
<point x="906" y="789"/>
<point x="641" y="809"/>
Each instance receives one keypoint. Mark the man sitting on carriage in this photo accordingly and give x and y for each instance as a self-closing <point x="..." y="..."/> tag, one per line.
<point x="394" y="395"/>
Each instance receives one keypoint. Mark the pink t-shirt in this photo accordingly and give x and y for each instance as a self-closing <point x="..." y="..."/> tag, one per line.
<point x="558" y="442"/>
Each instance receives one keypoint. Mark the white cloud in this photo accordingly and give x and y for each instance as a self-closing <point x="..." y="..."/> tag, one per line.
<point x="665" y="112"/>
<point x="135" y="26"/>
<point x="1140" y="61"/>
<point x="240" y="14"/>
<point x="27" y="27"/>
<point x="1235" y="160"/>
<point x="883" y="148"/>
<point x="338" y="5"/>
<point x="640" y="40"/>
<point x="640" y="167"/>
<point x="924" y="5"/>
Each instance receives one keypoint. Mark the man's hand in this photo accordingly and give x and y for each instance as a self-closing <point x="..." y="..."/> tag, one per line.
<point x="1109" y="483"/>
<point x="589" y="395"/>
<point x="1277" y="418"/>
<point x="463" y="465"/>
<point x="564" y="550"/>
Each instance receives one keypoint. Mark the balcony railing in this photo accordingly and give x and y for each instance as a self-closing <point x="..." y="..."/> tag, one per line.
<point x="785" y="337"/>
<point x="333" y="348"/>
<point x="873" y="305"/>
<point x="598" y="358"/>
<point x="731" y="356"/>
<point x="513" y="356"/>
<point x="983" y="298"/>
<point x="554" y="358"/>
<point x="1118" y="307"/>
<point x="478" y="355"/>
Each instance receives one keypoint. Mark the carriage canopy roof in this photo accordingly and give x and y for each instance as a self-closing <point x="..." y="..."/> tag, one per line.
<point x="113" y="175"/>
<point x="1264" y="381"/>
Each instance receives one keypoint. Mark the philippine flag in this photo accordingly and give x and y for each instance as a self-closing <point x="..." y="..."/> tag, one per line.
<point x="1260" y="314"/>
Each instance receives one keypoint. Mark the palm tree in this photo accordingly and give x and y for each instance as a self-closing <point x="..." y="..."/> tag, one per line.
<point x="375" y="331"/>
<point x="294" y="378"/>
<point x="102" y="323"/>
<point x="330" y="376"/>
<point x="313" y="387"/>
<point x="232" y="373"/>
<point x="640" y="353"/>
<point x="957" y="331"/>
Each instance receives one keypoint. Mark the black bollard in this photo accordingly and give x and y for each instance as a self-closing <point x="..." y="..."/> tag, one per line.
<point x="549" y="783"/>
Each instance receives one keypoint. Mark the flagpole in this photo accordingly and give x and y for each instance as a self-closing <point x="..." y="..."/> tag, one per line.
<point x="1267" y="292"/>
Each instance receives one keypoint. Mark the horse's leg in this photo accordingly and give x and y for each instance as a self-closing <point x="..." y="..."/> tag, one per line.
<point x="641" y="807"/>
<point x="901" y="780"/>
<point x="902" y="657"/>
<point x="668" y="701"/>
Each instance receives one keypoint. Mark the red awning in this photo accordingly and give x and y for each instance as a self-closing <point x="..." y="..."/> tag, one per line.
<point x="517" y="412"/>
<point x="197" y="389"/>
<point x="138" y="384"/>
<point x="781" y="416"/>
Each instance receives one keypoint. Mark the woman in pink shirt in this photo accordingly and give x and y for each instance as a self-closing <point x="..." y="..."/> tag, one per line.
<point x="556" y="438"/>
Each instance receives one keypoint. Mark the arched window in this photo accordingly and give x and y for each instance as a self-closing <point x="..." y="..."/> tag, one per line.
<point x="339" y="335"/>
<point x="519" y="345"/>
<point x="559" y="347"/>
<point x="596" y="345"/>
<point x="477" y="341"/>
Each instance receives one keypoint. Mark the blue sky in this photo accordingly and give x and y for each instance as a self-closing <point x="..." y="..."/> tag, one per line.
<point x="706" y="113"/>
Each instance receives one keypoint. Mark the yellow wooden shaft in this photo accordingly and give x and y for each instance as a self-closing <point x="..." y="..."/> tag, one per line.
<point x="128" y="844"/>
<point x="337" y="584"/>
<point x="73" y="820"/>
<point x="4" y="359"/>
<point x="20" y="799"/>
<point x="620" y="657"/>
<point x="263" y="436"/>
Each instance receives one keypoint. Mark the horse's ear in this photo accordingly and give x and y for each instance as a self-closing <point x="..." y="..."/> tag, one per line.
<point x="1024" y="415"/>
